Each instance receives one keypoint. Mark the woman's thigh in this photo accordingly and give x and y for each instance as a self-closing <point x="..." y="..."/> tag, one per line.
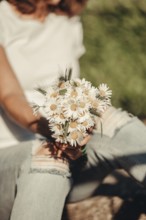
<point x="11" y="160"/>
<point x="27" y="195"/>
<point x="99" y="162"/>
<point x="40" y="195"/>
<point x="129" y="149"/>
<point x="126" y="150"/>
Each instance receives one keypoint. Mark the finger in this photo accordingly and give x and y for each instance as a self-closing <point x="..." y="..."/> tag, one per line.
<point x="61" y="146"/>
<point x="59" y="153"/>
<point x="64" y="146"/>
<point x="90" y="130"/>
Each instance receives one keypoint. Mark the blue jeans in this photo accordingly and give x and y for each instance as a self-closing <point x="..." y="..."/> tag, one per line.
<point x="35" y="196"/>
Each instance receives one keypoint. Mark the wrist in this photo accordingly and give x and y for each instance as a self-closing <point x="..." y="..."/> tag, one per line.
<point x="40" y="126"/>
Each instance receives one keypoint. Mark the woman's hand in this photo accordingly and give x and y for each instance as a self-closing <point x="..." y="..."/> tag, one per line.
<point x="73" y="153"/>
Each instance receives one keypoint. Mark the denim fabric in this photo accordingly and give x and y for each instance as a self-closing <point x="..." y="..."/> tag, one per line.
<point x="42" y="196"/>
<point x="26" y="195"/>
<point x="126" y="150"/>
<point x="11" y="160"/>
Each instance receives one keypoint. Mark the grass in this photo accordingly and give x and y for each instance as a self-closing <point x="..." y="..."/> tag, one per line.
<point x="115" y="41"/>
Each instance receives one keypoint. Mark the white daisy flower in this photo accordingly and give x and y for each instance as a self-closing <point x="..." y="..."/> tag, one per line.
<point x="84" y="116"/>
<point x="56" y="128"/>
<point x="59" y="118"/>
<point x="86" y="84"/>
<point x="61" y="84"/>
<point x="75" y="137"/>
<point x="107" y="102"/>
<point x="74" y="93"/>
<point x="98" y="105"/>
<point x="71" y="109"/>
<point x="93" y="92"/>
<point x="51" y="107"/>
<point x="51" y="118"/>
<point x="60" y="138"/>
<point x="88" y="124"/>
<point x="74" y="125"/>
<point x="104" y="91"/>
<point x="84" y="106"/>
<point x="76" y="82"/>
<point x="51" y="93"/>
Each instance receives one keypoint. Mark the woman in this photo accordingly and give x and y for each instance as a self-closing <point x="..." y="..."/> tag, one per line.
<point x="38" y="38"/>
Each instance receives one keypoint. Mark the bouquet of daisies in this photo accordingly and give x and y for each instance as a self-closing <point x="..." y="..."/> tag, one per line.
<point x="71" y="107"/>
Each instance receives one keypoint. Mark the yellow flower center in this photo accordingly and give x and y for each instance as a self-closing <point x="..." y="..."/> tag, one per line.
<point x="74" y="93"/>
<point x="53" y="107"/>
<point x="74" y="135"/>
<point x="85" y="123"/>
<point x="54" y="95"/>
<point x="102" y="93"/>
<point x="73" y="124"/>
<point x="73" y="107"/>
<point x="95" y="104"/>
<point x="62" y="85"/>
<point x="82" y="104"/>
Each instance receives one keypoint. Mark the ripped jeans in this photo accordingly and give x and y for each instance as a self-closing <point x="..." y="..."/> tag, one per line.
<point x="41" y="196"/>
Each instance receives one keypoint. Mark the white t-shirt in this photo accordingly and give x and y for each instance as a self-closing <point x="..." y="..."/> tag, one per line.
<point x="37" y="52"/>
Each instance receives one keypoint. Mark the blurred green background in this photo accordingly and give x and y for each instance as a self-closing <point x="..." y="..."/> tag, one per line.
<point x="115" y="41"/>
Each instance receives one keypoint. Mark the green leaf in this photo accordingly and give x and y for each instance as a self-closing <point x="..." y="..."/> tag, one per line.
<point x="66" y="128"/>
<point x="62" y="91"/>
<point x="69" y="73"/>
<point x="41" y="90"/>
<point x="75" y="84"/>
<point x="61" y="78"/>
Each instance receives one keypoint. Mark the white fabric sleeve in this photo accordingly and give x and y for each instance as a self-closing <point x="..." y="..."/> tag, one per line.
<point x="77" y="33"/>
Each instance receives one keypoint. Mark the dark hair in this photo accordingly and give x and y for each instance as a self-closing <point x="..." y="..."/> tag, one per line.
<point x="68" y="7"/>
